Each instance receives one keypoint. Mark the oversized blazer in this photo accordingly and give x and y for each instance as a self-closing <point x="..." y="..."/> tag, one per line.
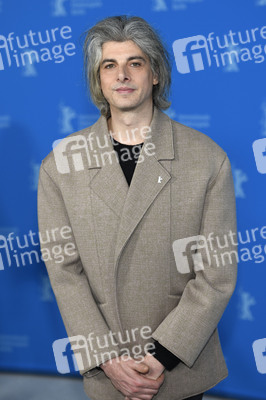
<point x="121" y="270"/>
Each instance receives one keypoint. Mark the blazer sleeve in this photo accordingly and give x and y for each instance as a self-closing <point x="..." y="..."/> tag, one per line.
<point x="187" y="328"/>
<point x="78" y="309"/>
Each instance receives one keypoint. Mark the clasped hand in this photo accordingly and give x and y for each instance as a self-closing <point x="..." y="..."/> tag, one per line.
<point x="135" y="379"/>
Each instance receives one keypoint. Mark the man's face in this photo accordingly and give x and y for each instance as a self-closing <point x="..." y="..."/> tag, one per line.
<point x="126" y="76"/>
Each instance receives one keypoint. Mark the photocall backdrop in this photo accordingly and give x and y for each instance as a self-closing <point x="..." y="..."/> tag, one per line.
<point x="218" y="52"/>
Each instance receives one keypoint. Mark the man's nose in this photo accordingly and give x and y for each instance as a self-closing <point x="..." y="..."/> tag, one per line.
<point x="123" y="73"/>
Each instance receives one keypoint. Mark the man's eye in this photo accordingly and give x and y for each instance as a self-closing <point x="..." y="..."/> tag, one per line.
<point x="109" y="66"/>
<point x="136" y="64"/>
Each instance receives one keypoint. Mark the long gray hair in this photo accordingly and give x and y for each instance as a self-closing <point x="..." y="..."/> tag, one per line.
<point x="120" y="29"/>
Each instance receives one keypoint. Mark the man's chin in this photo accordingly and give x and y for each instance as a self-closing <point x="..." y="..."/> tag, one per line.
<point x="127" y="108"/>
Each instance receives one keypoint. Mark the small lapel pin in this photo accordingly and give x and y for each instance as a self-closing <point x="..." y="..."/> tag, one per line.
<point x="160" y="179"/>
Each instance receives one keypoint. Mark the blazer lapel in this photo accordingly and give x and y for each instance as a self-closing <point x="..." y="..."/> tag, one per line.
<point x="109" y="183"/>
<point x="130" y="203"/>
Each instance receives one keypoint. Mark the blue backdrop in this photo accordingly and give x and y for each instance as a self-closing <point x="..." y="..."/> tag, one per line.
<point x="218" y="88"/>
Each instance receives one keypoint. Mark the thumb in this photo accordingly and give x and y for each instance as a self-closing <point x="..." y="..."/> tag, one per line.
<point x="142" y="368"/>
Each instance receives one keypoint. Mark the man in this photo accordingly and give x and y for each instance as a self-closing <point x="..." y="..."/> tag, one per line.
<point x="137" y="274"/>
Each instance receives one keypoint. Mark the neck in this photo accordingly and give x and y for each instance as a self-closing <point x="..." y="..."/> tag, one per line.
<point x="130" y="127"/>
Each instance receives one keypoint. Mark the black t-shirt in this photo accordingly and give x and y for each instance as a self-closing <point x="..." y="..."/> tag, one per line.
<point x="128" y="156"/>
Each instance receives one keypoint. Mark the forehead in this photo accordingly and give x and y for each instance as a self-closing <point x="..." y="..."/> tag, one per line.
<point x="121" y="50"/>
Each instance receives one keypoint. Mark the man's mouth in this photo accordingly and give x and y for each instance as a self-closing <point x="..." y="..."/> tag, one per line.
<point x="124" y="90"/>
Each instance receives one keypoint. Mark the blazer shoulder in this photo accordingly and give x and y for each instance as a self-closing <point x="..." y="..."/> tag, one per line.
<point x="197" y="152"/>
<point x="197" y="144"/>
<point x="193" y="137"/>
<point x="49" y="162"/>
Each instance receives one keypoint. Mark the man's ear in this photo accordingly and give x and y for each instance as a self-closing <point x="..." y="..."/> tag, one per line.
<point x="155" y="80"/>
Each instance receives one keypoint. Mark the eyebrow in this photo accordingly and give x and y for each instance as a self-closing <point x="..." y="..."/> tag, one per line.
<point x="129" y="59"/>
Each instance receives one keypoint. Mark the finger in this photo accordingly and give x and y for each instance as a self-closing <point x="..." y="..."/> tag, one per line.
<point x="141" y="397"/>
<point x="140" y="367"/>
<point x="138" y="388"/>
<point x="150" y="383"/>
<point x="139" y="383"/>
<point x="145" y="385"/>
<point x="160" y="379"/>
<point x="134" y="386"/>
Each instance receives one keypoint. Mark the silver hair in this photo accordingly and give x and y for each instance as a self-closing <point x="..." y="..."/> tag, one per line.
<point x="119" y="29"/>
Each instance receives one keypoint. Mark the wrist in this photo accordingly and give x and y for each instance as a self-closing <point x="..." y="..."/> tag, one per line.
<point x="156" y="363"/>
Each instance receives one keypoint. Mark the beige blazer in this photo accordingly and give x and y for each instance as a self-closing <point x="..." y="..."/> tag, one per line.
<point x="121" y="272"/>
